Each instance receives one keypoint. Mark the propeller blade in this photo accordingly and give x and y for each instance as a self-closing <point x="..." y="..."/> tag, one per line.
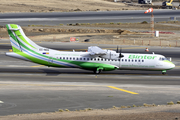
<point x="120" y="55"/>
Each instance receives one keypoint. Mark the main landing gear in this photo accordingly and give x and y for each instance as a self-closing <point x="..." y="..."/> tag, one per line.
<point x="98" y="70"/>
<point x="164" y="72"/>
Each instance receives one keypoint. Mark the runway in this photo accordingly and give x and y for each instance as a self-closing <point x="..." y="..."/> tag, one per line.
<point x="56" y="18"/>
<point x="34" y="93"/>
<point x="27" y="87"/>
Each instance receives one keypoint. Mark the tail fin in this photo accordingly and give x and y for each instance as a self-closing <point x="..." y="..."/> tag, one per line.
<point x="19" y="41"/>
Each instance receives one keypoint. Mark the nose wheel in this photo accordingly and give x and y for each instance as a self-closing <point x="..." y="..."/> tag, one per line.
<point x="164" y="72"/>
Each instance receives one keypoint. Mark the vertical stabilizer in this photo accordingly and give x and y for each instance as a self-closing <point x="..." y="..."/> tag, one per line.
<point x="19" y="41"/>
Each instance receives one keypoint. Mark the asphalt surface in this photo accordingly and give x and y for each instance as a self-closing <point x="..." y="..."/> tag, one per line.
<point x="57" y="18"/>
<point x="27" y="87"/>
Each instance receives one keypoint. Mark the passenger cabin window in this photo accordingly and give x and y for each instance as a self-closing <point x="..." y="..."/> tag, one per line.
<point x="80" y="58"/>
<point x="142" y="60"/>
<point x="135" y="60"/>
<point x="125" y="60"/>
<point x="129" y="60"/>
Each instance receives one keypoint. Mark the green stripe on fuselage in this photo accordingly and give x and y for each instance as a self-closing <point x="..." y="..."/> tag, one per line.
<point x="167" y="61"/>
<point x="84" y="65"/>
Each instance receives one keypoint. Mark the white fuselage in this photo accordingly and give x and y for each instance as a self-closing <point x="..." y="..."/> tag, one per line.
<point x="130" y="61"/>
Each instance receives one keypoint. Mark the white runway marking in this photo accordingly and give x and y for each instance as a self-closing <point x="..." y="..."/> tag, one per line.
<point x="1" y="102"/>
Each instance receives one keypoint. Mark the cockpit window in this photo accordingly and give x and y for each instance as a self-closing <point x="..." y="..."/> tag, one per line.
<point x="162" y="58"/>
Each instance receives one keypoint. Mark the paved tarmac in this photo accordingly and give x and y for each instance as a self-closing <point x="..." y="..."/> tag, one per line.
<point x="27" y="87"/>
<point x="56" y="18"/>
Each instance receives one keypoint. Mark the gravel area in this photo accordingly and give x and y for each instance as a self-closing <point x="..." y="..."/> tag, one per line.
<point x="163" y="112"/>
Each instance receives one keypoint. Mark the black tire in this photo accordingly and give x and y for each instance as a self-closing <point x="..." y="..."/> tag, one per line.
<point x="97" y="71"/>
<point x="164" y="73"/>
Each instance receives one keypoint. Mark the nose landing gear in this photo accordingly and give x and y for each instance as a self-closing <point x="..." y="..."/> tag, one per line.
<point x="164" y="72"/>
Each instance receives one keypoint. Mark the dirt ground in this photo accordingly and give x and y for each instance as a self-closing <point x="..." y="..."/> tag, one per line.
<point x="123" y="34"/>
<point x="163" y="112"/>
<point x="61" y="5"/>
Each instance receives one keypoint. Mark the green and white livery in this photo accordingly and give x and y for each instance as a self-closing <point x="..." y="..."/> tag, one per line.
<point x="96" y="59"/>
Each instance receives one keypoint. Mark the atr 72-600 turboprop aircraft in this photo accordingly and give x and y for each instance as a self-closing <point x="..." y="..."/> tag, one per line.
<point x="96" y="59"/>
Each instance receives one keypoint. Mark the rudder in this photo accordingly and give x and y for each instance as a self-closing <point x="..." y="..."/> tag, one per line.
<point x="19" y="41"/>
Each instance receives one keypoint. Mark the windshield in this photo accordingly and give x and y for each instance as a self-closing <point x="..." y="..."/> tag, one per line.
<point x="162" y="58"/>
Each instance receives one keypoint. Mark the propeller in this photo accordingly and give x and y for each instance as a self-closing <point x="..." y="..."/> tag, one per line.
<point x="120" y="55"/>
<point x="117" y="51"/>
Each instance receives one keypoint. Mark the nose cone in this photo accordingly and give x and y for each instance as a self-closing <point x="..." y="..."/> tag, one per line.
<point x="171" y="65"/>
<point x="168" y="64"/>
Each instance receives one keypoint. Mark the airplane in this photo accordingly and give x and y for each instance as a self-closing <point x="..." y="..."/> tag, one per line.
<point x="95" y="59"/>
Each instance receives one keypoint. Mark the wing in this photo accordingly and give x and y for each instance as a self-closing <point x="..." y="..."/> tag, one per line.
<point x="94" y="50"/>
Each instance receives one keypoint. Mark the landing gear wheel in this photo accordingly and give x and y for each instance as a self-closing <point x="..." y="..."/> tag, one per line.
<point x="97" y="71"/>
<point x="164" y="73"/>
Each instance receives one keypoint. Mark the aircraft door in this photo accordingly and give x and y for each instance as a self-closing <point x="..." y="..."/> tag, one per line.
<point x="139" y="61"/>
<point x="50" y="62"/>
<point x="159" y="63"/>
<point x="115" y="62"/>
<point x="119" y="62"/>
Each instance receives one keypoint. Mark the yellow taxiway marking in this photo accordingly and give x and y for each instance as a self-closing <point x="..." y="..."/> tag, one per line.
<point x="37" y="66"/>
<point x="122" y="90"/>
